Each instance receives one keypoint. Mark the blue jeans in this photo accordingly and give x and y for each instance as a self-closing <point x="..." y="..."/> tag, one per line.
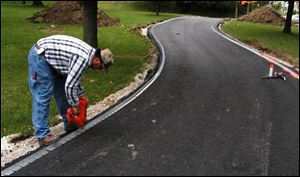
<point x="44" y="82"/>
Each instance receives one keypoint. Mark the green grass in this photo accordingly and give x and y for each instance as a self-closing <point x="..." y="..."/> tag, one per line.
<point x="134" y="18"/>
<point x="18" y="35"/>
<point x="267" y="36"/>
<point x="121" y="5"/>
<point x="129" y="17"/>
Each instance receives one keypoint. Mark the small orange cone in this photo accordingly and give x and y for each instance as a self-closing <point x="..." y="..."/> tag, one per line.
<point x="276" y="75"/>
<point x="271" y="69"/>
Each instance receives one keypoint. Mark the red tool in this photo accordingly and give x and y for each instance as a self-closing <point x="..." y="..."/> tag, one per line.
<point x="78" y="120"/>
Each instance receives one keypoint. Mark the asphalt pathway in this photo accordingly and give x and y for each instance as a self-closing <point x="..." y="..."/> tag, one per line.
<point x="208" y="113"/>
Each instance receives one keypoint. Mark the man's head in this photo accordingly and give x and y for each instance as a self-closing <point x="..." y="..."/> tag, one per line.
<point x="102" y="59"/>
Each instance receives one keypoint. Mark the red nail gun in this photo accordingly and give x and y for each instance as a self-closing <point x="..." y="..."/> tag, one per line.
<point x="78" y="120"/>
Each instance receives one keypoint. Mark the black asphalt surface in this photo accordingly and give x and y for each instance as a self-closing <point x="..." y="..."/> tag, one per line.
<point x="208" y="113"/>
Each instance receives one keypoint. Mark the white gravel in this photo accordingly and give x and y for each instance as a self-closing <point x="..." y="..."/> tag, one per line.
<point x="12" y="151"/>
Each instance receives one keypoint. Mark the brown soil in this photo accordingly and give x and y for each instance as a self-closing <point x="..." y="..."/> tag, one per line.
<point x="264" y="15"/>
<point x="69" y="12"/>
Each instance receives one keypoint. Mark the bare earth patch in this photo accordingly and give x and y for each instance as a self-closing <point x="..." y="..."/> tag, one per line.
<point x="264" y="14"/>
<point x="11" y="151"/>
<point x="69" y="12"/>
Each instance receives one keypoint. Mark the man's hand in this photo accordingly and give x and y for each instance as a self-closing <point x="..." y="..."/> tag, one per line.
<point x="75" y="111"/>
<point x="83" y="97"/>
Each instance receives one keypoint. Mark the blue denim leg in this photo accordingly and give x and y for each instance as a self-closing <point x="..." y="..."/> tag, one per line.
<point x="60" y="97"/>
<point x="41" y="81"/>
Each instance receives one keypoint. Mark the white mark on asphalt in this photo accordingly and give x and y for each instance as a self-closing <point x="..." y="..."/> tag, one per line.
<point x="134" y="153"/>
<point x="257" y="104"/>
<point x="102" y="153"/>
<point x="130" y="146"/>
<point x="265" y="150"/>
<point x="234" y="164"/>
<point x="153" y="104"/>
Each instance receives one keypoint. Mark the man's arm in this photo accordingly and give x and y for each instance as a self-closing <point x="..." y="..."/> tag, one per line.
<point x="72" y="87"/>
<point x="80" y="90"/>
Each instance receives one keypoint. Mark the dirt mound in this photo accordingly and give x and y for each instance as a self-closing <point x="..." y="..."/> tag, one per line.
<point x="69" y="12"/>
<point x="264" y="15"/>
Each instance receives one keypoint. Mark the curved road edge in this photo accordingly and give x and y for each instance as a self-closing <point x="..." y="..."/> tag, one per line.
<point x="28" y="159"/>
<point x="216" y="28"/>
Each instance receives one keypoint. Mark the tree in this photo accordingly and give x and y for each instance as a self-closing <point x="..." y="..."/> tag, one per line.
<point x="206" y="8"/>
<point x="288" y="20"/>
<point x="157" y="6"/>
<point x="236" y="9"/>
<point x="37" y="3"/>
<point x="263" y="3"/>
<point x="249" y="4"/>
<point x="90" y="22"/>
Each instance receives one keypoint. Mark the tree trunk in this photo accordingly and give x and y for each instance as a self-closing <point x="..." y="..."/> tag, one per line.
<point x="248" y="7"/>
<point x="288" y="20"/>
<point x="236" y="9"/>
<point x="263" y="3"/>
<point x="90" y="22"/>
<point x="37" y="3"/>
<point x="157" y="8"/>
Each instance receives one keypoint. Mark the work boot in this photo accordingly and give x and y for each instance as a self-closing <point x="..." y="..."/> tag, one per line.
<point x="70" y="128"/>
<point x="47" y="140"/>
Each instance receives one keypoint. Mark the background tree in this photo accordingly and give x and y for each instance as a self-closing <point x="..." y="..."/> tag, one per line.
<point x="90" y="22"/>
<point x="263" y="3"/>
<point x="207" y="8"/>
<point x="288" y="20"/>
<point x="236" y="9"/>
<point x="37" y="3"/>
<point x="158" y="6"/>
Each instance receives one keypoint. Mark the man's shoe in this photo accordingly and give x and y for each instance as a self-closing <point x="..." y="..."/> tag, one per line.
<point x="70" y="128"/>
<point x="48" y="140"/>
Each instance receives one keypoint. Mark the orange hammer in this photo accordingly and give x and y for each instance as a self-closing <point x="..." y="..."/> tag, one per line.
<point x="78" y="120"/>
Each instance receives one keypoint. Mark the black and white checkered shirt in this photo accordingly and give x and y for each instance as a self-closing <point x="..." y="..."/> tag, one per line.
<point x="70" y="57"/>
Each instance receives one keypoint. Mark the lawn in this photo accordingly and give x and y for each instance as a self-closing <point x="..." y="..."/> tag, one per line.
<point x="130" y="17"/>
<point x="268" y="37"/>
<point x="18" y="35"/>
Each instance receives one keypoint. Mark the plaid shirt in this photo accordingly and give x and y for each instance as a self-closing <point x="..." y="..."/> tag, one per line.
<point x="71" y="57"/>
